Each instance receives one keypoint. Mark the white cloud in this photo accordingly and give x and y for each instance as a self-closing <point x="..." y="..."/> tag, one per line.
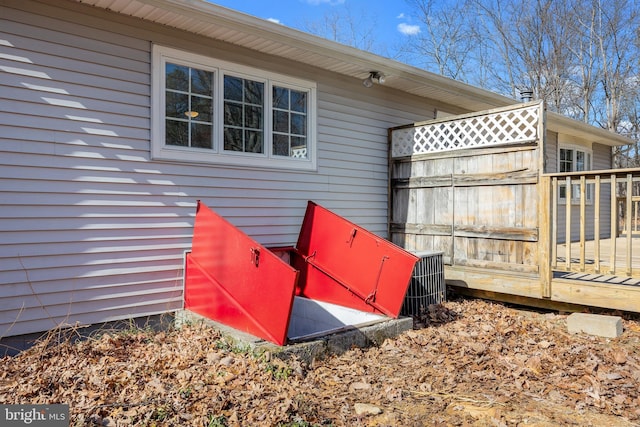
<point x="401" y="16"/>
<point x="408" y="30"/>
<point x="274" y="20"/>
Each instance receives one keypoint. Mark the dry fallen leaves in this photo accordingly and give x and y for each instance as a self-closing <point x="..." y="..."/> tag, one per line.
<point x="469" y="362"/>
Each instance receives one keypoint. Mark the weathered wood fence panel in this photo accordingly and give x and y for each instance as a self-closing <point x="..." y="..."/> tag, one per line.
<point x="467" y="187"/>
<point x="479" y="208"/>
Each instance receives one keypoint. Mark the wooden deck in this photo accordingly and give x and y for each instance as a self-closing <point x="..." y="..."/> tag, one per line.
<point x="600" y="270"/>
<point x="500" y="218"/>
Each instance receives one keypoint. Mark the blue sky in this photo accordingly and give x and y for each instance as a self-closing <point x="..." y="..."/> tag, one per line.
<point x="389" y="20"/>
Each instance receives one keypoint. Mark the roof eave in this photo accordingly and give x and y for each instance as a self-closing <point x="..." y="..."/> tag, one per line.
<point x="562" y="124"/>
<point x="327" y="53"/>
<point x="331" y="55"/>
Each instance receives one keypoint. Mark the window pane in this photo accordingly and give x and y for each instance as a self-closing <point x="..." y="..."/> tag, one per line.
<point x="244" y="110"/>
<point x="281" y="121"/>
<point x="298" y="124"/>
<point x="202" y="109"/>
<point x="232" y="88"/>
<point x="562" y="191"/>
<point x="176" y="133"/>
<point x="201" y="135"/>
<point x="253" y="92"/>
<point x="176" y="104"/>
<point x="580" y="161"/>
<point x="253" y="142"/>
<point x="232" y="114"/>
<point x="566" y="160"/>
<point x="201" y="82"/>
<point x="233" y="139"/>
<point x="253" y="117"/>
<point x="575" y="191"/>
<point x="280" y="145"/>
<point x="298" y="101"/>
<point x="177" y="77"/>
<point x="281" y="98"/>
<point x="188" y="99"/>
<point x="289" y="122"/>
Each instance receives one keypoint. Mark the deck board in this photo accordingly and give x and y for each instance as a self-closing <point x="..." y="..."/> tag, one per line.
<point x="605" y="261"/>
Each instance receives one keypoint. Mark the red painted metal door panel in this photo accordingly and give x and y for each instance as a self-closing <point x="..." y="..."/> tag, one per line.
<point x="345" y="264"/>
<point x="234" y="280"/>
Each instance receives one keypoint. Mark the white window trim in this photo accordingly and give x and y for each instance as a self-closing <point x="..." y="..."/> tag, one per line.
<point x="575" y="198"/>
<point x="161" y="151"/>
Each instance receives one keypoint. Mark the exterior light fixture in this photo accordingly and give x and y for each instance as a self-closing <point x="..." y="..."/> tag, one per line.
<point x="374" y="77"/>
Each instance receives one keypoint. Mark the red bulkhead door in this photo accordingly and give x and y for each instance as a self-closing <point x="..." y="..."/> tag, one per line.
<point x="345" y="264"/>
<point x="232" y="279"/>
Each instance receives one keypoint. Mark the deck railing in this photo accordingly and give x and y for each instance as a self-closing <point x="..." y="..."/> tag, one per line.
<point x="634" y="215"/>
<point x="593" y="218"/>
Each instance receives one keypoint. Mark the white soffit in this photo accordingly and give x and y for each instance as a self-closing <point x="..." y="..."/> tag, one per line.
<point x="564" y="125"/>
<point x="217" y="22"/>
<point x="220" y="23"/>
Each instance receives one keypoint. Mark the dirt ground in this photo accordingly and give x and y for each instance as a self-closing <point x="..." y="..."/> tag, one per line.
<point x="468" y="362"/>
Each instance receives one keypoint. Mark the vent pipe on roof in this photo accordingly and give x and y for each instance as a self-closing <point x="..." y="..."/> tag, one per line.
<point x="526" y="95"/>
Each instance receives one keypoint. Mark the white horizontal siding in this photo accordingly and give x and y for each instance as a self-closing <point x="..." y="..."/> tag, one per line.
<point x="92" y="229"/>
<point x="75" y="113"/>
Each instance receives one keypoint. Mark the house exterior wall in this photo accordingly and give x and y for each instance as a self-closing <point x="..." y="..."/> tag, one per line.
<point x="551" y="152"/>
<point x="602" y="159"/>
<point x="93" y="229"/>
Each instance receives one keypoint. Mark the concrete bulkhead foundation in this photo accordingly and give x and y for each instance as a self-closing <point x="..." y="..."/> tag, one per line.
<point x="314" y="346"/>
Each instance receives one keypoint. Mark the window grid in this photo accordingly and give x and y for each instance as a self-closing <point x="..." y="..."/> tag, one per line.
<point x="566" y="160"/>
<point x="243" y="115"/>
<point x="289" y="122"/>
<point x="188" y="106"/>
<point x="573" y="160"/>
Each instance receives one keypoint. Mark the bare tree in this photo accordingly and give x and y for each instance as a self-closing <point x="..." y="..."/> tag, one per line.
<point x="531" y="40"/>
<point x="618" y="25"/>
<point x="344" y="26"/>
<point x="447" y="44"/>
<point x="584" y="77"/>
<point x="581" y="56"/>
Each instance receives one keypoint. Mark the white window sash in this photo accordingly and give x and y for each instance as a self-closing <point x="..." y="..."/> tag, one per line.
<point x="575" y="184"/>
<point x="217" y="155"/>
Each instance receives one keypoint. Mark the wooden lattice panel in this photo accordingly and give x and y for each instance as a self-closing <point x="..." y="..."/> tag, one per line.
<point x="514" y="126"/>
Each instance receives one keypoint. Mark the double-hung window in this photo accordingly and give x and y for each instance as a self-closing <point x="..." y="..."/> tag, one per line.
<point x="206" y="110"/>
<point x="574" y="159"/>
